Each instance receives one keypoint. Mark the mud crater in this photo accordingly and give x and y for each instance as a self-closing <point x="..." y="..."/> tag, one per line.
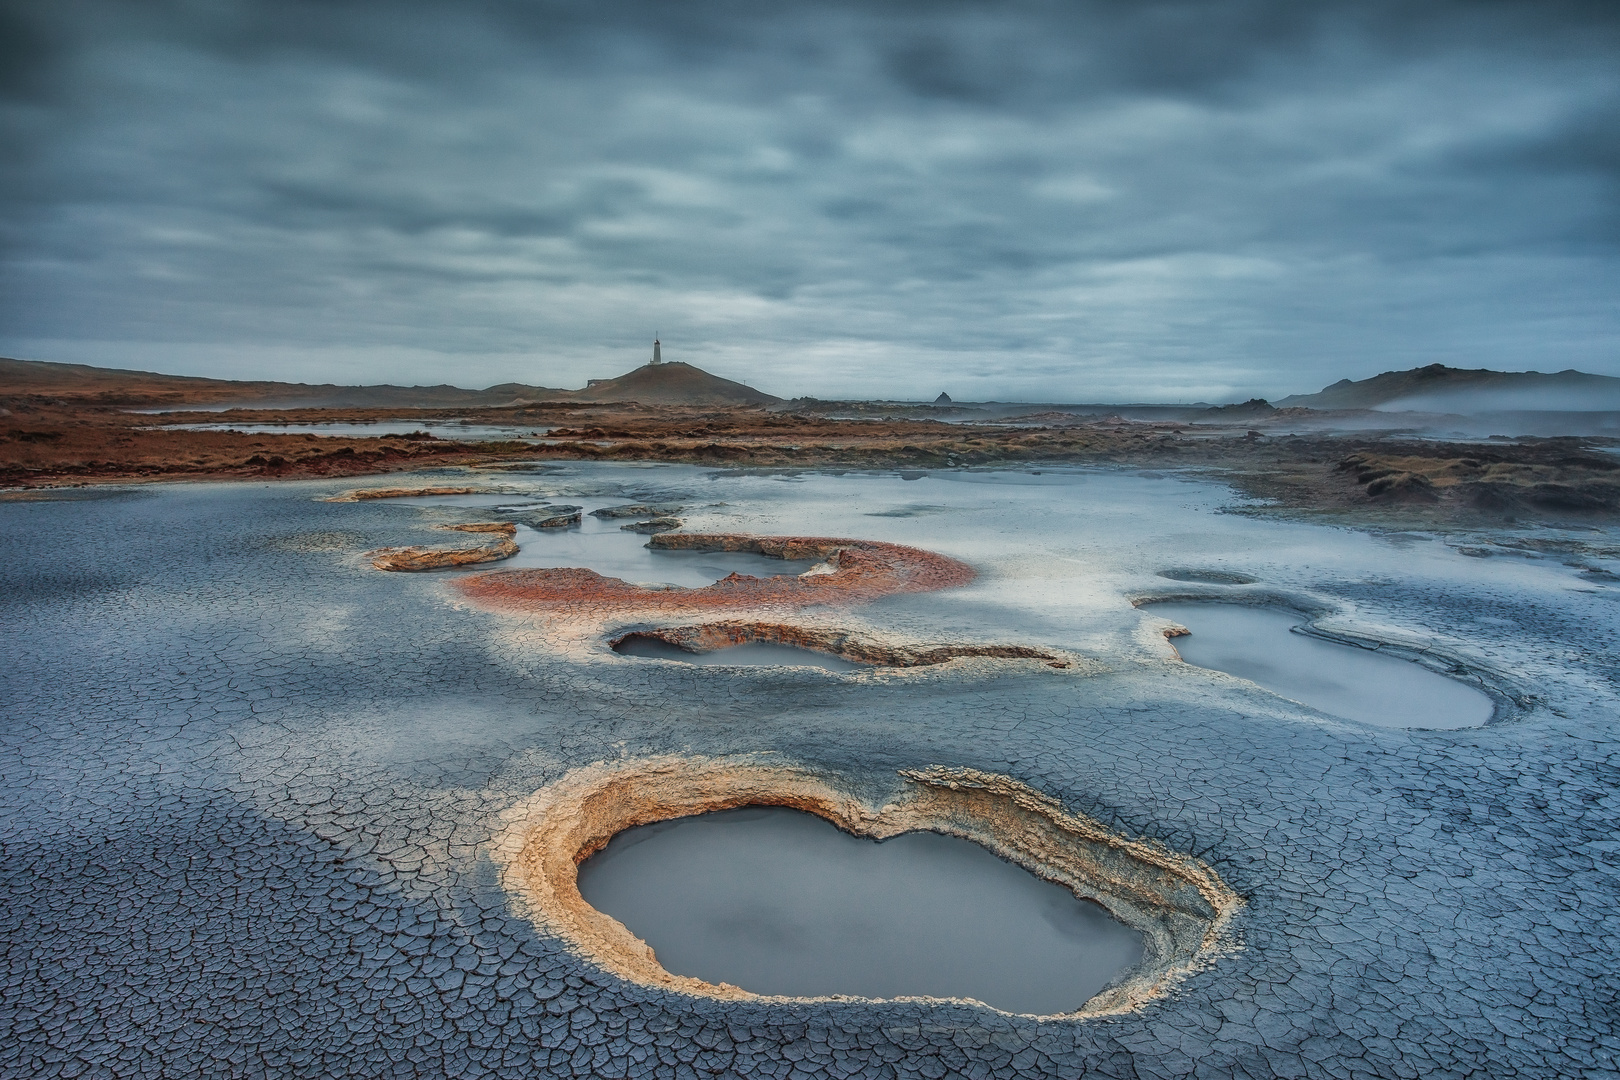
<point x="1179" y="904"/>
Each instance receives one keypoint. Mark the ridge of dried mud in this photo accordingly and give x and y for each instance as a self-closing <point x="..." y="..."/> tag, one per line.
<point x="365" y="494"/>
<point x="711" y="637"/>
<point x="426" y="558"/>
<point x="1179" y="904"/>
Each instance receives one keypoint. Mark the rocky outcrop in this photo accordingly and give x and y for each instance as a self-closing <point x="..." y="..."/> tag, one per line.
<point x="425" y="558"/>
<point x="653" y="525"/>
<point x="363" y="494"/>
<point x="638" y="510"/>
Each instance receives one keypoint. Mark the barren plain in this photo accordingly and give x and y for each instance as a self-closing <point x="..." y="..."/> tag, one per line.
<point x="274" y="808"/>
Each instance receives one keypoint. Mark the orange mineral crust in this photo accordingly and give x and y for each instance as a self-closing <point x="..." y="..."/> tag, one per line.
<point x="851" y="572"/>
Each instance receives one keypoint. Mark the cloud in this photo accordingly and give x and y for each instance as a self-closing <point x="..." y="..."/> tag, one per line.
<point x="1147" y="200"/>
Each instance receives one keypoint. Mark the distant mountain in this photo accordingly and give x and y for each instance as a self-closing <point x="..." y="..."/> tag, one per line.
<point x="672" y="384"/>
<point x="1441" y="389"/>
<point x="662" y="384"/>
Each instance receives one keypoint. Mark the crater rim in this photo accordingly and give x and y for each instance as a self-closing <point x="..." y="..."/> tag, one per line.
<point x="1179" y="904"/>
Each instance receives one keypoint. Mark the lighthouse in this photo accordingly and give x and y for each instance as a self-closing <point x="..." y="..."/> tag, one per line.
<point x="658" y="355"/>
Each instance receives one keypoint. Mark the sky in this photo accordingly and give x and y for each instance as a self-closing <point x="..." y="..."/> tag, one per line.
<point x="1085" y="200"/>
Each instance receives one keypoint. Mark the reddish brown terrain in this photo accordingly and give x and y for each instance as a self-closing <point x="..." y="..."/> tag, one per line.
<point x="65" y="425"/>
<point x="858" y="571"/>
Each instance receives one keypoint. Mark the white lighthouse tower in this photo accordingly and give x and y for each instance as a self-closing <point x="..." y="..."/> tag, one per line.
<point x="658" y="355"/>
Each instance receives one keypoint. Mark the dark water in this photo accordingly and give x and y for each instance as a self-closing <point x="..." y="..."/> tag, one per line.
<point x="1259" y="644"/>
<point x="782" y="902"/>
<point x="752" y="654"/>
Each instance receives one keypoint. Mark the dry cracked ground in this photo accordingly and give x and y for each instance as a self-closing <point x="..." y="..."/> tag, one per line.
<point x="249" y="786"/>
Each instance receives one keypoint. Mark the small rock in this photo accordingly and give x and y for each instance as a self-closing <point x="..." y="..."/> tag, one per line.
<point x="653" y="525"/>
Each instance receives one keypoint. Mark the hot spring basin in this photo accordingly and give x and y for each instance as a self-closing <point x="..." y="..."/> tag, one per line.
<point x="1258" y="644"/>
<point x="781" y="902"/>
<point x="749" y="654"/>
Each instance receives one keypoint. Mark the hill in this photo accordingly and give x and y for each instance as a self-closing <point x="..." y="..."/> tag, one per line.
<point x="672" y="384"/>
<point x="115" y="386"/>
<point x="664" y="384"/>
<point x="1441" y="389"/>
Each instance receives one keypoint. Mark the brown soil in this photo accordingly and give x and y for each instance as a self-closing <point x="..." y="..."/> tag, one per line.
<point x="1179" y="903"/>
<point x="48" y="441"/>
<point x="860" y="571"/>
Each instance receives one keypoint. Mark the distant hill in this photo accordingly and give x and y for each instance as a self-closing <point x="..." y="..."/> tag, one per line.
<point x="664" y="384"/>
<point x="1441" y="389"/>
<point x="672" y="384"/>
<point x="115" y="386"/>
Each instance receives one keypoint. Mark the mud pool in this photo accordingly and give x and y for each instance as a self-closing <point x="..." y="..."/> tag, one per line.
<point x="777" y="901"/>
<point x="251" y="783"/>
<point x="1264" y="645"/>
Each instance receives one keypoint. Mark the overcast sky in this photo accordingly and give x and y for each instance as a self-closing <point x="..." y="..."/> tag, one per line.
<point x="1075" y="201"/>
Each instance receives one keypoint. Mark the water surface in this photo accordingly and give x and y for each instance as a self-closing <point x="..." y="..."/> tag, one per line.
<point x="777" y="901"/>
<point x="1259" y="644"/>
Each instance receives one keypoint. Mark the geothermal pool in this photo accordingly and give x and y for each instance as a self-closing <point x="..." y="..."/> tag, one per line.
<point x="1261" y="644"/>
<point x="781" y="902"/>
<point x="253" y="787"/>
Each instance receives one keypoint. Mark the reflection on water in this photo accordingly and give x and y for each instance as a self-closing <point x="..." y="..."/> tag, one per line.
<point x="751" y="654"/>
<point x="1259" y="644"/>
<point x="781" y="902"/>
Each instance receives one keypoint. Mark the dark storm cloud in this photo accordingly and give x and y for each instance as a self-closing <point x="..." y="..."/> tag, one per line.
<point x="1069" y="200"/>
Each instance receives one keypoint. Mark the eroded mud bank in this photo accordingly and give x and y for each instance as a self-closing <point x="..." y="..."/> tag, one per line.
<point x="367" y="494"/>
<point x="1178" y="903"/>
<point x="849" y="572"/>
<point x="426" y="558"/>
<point x="848" y="644"/>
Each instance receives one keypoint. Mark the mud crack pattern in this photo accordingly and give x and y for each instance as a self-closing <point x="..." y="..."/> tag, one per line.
<point x="247" y="786"/>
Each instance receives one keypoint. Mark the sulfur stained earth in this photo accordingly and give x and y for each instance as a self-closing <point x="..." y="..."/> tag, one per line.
<point x="251" y="782"/>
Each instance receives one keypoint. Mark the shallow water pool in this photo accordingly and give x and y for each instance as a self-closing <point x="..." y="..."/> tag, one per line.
<point x="612" y="552"/>
<point x="777" y="901"/>
<point x="1259" y="644"/>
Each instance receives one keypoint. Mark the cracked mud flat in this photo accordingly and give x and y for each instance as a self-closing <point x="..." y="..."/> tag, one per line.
<point x="252" y="786"/>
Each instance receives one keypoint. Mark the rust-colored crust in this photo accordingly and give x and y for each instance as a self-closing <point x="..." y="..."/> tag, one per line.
<point x="853" y="572"/>
<point x="1179" y="903"/>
